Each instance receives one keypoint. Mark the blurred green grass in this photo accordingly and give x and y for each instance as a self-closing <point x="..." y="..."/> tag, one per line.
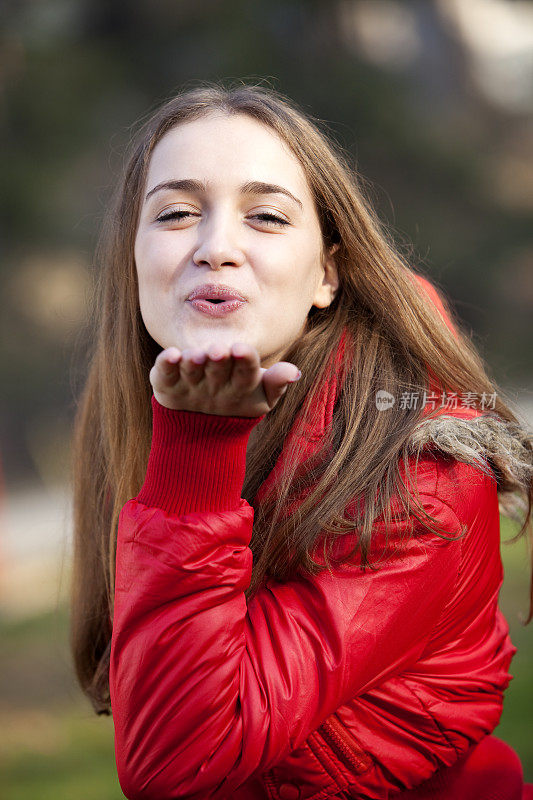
<point x="53" y="747"/>
<point x="516" y="724"/>
<point x="60" y="755"/>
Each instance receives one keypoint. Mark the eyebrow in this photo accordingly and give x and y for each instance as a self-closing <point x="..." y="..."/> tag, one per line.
<point x="250" y="187"/>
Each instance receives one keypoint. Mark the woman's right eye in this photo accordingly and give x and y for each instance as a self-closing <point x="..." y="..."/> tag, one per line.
<point x="174" y="215"/>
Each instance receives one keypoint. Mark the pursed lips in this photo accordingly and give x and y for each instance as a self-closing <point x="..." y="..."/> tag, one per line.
<point x="217" y="293"/>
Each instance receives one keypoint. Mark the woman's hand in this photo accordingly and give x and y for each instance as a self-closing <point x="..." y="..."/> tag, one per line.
<point x="230" y="382"/>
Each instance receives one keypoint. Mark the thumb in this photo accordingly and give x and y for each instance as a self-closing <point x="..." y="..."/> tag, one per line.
<point x="277" y="378"/>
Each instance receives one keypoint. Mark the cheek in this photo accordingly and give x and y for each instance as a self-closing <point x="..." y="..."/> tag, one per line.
<point x="155" y="260"/>
<point x="296" y="270"/>
<point x="288" y="261"/>
<point x="154" y="280"/>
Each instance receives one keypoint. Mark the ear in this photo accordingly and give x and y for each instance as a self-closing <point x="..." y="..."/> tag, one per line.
<point x="327" y="290"/>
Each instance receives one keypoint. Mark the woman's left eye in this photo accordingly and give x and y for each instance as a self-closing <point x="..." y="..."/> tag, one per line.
<point x="270" y="219"/>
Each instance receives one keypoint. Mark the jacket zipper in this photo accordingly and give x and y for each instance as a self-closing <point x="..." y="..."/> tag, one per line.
<point x="345" y="746"/>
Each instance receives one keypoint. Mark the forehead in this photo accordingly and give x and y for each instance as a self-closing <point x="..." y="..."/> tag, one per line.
<point x="226" y="149"/>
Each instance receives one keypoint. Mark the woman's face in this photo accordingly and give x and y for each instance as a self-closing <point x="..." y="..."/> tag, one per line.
<point x="227" y="203"/>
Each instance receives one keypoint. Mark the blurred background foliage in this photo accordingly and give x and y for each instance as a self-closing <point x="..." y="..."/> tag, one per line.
<point x="434" y="100"/>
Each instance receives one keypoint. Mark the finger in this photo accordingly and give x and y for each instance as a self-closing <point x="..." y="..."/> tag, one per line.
<point x="169" y="360"/>
<point x="166" y="367"/>
<point x="246" y="366"/>
<point x="277" y="379"/>
<point x="217" y="367"/>
<point x="192" y="365"/>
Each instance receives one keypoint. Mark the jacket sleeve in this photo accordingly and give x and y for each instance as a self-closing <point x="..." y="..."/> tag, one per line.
<point x="206" y="689"/>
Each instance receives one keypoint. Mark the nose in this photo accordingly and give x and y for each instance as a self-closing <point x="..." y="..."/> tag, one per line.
<point x="217" y="245"/>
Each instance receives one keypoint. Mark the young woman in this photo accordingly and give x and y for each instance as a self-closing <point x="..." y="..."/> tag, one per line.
<point x="300" y="600"/>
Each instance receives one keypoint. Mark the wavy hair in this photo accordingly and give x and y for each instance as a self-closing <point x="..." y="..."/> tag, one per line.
<point x="394" y="337"/>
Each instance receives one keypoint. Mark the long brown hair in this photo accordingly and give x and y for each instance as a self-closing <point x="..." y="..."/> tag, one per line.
<point x="394" y="336"/>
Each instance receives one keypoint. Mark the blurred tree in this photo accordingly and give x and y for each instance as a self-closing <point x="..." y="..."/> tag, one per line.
<point x="396" y="82"/>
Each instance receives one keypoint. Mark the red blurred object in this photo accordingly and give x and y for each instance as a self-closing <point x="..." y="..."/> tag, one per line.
<point x="490" y="771"/>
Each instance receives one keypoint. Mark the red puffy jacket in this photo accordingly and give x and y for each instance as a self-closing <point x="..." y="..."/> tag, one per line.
<point x="360" y="683"/>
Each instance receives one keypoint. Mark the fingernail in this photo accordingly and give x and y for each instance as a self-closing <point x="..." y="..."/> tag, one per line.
<point x="297" y="378"/>
<point x="173" y="357"/>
